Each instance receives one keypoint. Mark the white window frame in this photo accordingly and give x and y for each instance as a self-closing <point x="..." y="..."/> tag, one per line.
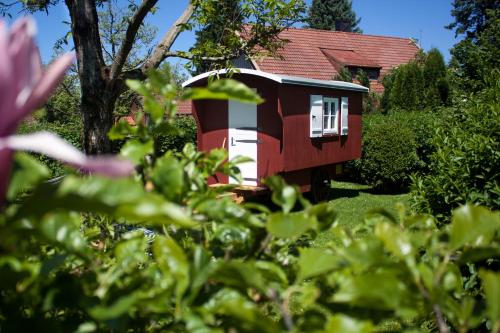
<point x="344" y="112"/>
<point x="331" y="114"/>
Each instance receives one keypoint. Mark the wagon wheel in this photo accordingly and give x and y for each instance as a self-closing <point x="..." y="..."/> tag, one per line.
<point x="320" y="185"/>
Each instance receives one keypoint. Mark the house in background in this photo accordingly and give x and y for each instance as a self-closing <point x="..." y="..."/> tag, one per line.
<point x="309" y="124"/>
<point x="320" y="54"/>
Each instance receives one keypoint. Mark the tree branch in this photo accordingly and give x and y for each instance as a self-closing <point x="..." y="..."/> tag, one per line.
<point x="130" y="34"/>
<point x="161" y="50"/>
<point x="190" y="56"/>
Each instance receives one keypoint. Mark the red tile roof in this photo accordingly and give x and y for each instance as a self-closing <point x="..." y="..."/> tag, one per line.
<point x="348" y="58"/>
<point x="309" y="53"/>
<point x="184" y="107"/>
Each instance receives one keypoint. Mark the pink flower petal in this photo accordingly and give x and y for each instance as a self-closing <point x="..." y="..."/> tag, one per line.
<point x="21" y="50"/>
<point x="53" y="146"/>
<point x="45" y="86"/>
<point x="7" y="95"/>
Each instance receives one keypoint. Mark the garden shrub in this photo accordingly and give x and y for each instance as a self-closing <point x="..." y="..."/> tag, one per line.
<point x="371" y="102"/>
<point x="422" y="123"/>
<point x="176" y="141"/>
<point x="465" y="166"/>
<point x="389" y="155"/>
<point x="70" y="131"/>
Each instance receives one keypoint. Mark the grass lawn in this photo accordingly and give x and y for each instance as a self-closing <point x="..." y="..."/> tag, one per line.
<point x="352" y="201"/>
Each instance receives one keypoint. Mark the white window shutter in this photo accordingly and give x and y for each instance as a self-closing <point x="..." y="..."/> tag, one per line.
<point x="344" y="116"/>
<point x="316" y="116"/>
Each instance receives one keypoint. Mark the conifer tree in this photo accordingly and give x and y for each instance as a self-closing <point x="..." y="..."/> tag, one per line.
<point x="362" y="78"/>
<point x="344" y="74"/>
<point x="407" y="91"/>
<point x="435" y="79"/>
<point x="335" y="15"/>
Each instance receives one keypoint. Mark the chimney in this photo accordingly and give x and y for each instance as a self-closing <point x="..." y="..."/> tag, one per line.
<point x="342" y="25"/>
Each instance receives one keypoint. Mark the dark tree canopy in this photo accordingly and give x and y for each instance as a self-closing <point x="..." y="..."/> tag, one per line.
<point x="218" y="31"/>
<point x="335" y="15"/>
<point x="471" y="16"/>
<point x="474" y="57"/>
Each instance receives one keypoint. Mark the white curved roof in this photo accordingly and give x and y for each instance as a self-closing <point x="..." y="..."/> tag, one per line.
<point x="283" y="79"/>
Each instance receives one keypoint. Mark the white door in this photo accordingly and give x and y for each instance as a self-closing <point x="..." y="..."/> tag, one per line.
<point x="243" y="139"/>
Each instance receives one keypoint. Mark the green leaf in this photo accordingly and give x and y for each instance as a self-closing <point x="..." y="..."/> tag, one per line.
<point x="345" y="324"/>
<point x="120" y="198"/>
<point x="272" y="273"/>
<point x="154" y="109"/>
<point x="283" y="195"/>
<point x="290" y="225"/>
<point x="397" y="242"/>
<point x="118" y="308"/>
<point x="491" y="286"/>
<point x="121" y="130"/>
<point x="325" y="215"/>
<point x="247" y="315"/>
<point x="316" y="261"/>
<point x="381" y="290"/>
<point x="168" y="177"/>
<point x="135" y="150"/>
<point x="224" y="89"/>
<point x="86" y="327"/>
<point x="63" y="228"/>
<point x="473" y="225"/>
<point x="27" y="172"/>
<point x="241" y="275"/>
<point x="152" y="209"/>
<point x="172" y="261"/>
<point x="139" y="87"/>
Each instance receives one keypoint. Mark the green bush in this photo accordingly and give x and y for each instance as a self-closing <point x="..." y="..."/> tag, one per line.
<point x="389" y="155"/>
<point x="371" y="102"/>
<point x="176" y="141"/>
<point x="421" y="124"/>
<point x="465" y="166"/>
<point x="70" y="131"/>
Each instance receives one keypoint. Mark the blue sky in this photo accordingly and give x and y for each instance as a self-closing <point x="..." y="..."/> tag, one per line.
<point x="420" y="19"/>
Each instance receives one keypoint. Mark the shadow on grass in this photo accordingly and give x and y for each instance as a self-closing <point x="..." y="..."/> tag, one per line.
<point x="338" y="192"/>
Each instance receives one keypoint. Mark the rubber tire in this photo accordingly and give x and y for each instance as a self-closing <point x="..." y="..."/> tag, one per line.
<point x="320" y="185"/>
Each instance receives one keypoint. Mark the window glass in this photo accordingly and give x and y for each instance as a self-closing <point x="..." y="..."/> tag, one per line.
<point x="330" y="115"/>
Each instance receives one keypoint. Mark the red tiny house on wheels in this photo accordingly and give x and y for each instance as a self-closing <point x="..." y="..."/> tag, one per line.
<point x="304" y="129"/>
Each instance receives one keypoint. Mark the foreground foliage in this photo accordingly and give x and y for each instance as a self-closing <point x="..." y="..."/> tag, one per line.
<point x="214" y="265"/>
<point x="165" y="252"/>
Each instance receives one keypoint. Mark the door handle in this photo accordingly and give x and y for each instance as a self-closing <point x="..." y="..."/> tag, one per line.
<point x="258" y="141"/>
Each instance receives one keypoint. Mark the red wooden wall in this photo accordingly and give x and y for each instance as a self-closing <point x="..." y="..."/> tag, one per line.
<point x="283" y="122"/>
<point x="301" y="151"/>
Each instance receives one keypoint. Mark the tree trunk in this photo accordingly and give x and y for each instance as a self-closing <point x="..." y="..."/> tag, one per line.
<point x="98" y="96"/>
<point x="101" y="85"/>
